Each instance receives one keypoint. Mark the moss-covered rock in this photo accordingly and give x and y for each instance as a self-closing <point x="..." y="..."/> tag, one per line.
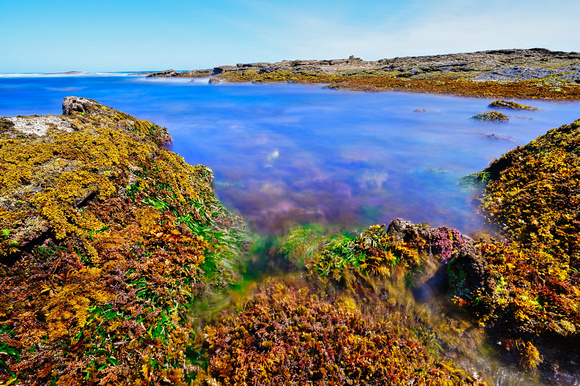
<point x="105" y="239"/>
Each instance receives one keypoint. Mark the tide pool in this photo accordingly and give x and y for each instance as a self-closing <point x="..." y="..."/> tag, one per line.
<point x="292" y="154"/>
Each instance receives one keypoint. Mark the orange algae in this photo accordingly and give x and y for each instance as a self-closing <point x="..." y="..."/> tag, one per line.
<point x="374" y="80"/>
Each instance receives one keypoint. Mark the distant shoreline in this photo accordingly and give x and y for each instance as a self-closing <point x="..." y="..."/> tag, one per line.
<point x="520" y="73"/>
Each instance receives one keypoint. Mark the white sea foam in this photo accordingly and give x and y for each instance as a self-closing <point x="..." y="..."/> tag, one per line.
<point x="62" y="74"/>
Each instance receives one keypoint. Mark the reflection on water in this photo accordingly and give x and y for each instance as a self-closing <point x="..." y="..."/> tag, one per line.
<point x="289" y="154"/>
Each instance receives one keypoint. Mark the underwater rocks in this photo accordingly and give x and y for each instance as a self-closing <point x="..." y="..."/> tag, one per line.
<point x="105" y="239"/>
<point x="496" y="137"/>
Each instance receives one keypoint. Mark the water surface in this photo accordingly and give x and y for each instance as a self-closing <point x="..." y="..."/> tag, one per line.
<point x="290" y="154"/>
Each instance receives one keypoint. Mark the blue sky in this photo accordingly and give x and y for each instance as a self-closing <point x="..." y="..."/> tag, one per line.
<point x="131" y="35"/>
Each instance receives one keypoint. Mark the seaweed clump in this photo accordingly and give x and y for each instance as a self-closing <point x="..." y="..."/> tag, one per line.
<point x="105" y="239"/>
<point x="531" y="292"/>
<point x="287" y="335"/>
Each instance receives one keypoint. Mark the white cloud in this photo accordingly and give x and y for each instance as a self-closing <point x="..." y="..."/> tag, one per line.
<point x="459" y="26"/>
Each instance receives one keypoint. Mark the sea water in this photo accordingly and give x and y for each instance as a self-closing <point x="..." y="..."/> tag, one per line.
<point x="286" y="154"/>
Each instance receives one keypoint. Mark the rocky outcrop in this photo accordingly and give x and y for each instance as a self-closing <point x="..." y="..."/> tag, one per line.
<point x="183" y="74"/>
<point x="533" y="73"/>
<point x="105" y="240"/>
<point x="518" y="73"/>
<point x="483" y="65"/>
<point x="492" y="116"/>
<point x="70" y="105"/>
<point x="164" y="74"/>
<point x="442" y="242"/>
<point x="501" y="104"/>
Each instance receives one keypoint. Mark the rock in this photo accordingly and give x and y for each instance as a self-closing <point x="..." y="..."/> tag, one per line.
<point x="492" y="116"/>
<point x="39" y="125"/>
<point x="222" y="69"/>
<point x="495" y="137"/>
<point x="214" y="81"/>
<point x="196" y="73"/>
<point x="163" y="74"/>
<point x="82" y="105"/>
<point x="501" y="104"/>
<point x="446" y="242"/>
<point x="468" y="272"/>
<point x="85" y="216"/>
<point x="402" y="230"/>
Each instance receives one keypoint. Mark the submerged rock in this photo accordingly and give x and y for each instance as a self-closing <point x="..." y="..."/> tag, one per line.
<point x="492" y="116"/>
<point x="496" y="137"/>
<point x="501" y="104"/>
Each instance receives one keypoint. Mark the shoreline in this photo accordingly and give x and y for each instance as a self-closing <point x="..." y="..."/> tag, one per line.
<point x="523" y="73"/>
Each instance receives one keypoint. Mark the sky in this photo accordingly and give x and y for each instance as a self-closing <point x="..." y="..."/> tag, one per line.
<point x="146" y="35"/>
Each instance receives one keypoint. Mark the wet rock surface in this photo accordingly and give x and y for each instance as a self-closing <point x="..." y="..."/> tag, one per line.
<point x="501" y="104"/>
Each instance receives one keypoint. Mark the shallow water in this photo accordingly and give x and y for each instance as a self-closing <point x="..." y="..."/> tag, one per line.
<point x="289" y="154"/>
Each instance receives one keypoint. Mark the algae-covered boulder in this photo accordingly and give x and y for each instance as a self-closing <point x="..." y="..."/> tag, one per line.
<point x="105" y="238"/>
<point x="503" y="104"/>
<point x="532" y="288"/>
